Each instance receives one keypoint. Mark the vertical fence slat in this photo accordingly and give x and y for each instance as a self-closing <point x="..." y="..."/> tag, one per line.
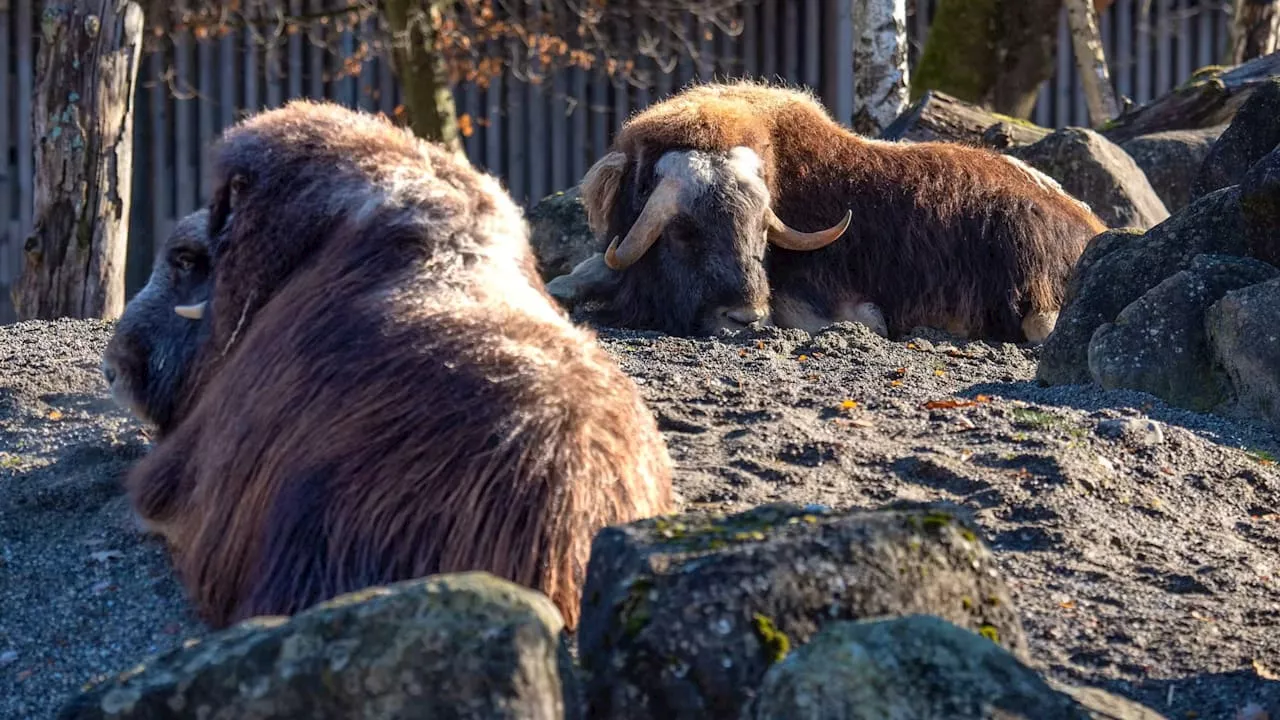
<point x="1164" y="47"/>
<point x="368" y="79"/>
<point x="750" y="41"/>
<point x="227" y="85"/>
<point x="706" y="52"/>
<point x="842" y="62"/>
<point x="295" y="51"/>
<point x="205" y="129"/>
<point x="184" y="163"/>
<point x="1123" y="62"/>
<point x="161" y="179"/>
<point x="600" y="113"/>
<point x="791" y="40"/>
<point x="1143" y="59"/>
<point x="7" y="239"/>
<point x="26" y="151"/>
<point x="517" y="167"/>
<point x="272" y="69"/>
<point x="578" y="139"/>
<point x="769" y="39"/>
<point x="1184" y="42"/>
<point x="559" y="134"/>
<point x="536" y="153"/>
<point x="316" y="80"/>
<point x="493" y="157"/>
<point x="1062" y="79"/>
<point x="813" y="44"/>
<point x="1204" y="33"/>
<point x="251" y="72"/>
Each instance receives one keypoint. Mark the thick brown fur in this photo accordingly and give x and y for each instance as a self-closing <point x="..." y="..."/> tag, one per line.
<point x="943" y="235"/>
<point x="385" y="390"/>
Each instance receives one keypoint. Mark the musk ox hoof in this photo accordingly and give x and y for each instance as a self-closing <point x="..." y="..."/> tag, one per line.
<point x="466" y="645"/>
<point x="756" y="588"/>
<point x="916" y="666"/>
<point x="590" y="279"/>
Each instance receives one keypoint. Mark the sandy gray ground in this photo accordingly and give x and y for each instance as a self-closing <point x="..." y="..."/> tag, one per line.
<point x="1152" y="570"/>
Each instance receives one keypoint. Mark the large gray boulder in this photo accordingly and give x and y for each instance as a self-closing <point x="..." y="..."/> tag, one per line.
<point x="468" y="645"/>
<point x="917" y="667"/>
<point x="1171" y="161"/>
<point x="682" y="616"/>
<point x="1158" y="344"/>
<point x="1099" y="172"/>
<point x="1117" y="268"/>
<point x="559" y="233"/>
<point x="1260" y="207"/>
<point x="1244" y="332"/>
<point x="1253" y="132"/>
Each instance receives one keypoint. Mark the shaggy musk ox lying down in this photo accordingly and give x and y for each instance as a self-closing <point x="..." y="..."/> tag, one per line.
<point x="733" y="204"/>
<point x="358" y="378"/>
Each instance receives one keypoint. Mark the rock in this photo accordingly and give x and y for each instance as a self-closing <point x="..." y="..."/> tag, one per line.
<point x="1139" y="432"/>
<point x="1244" y="332"/>
<point x="1260" y="208"/>
<point x="559" y="234"/>
<point x="1253" y="132"/>
<point x="1158" y="344"/>
<point x="1098" y="172"/>
<point x="1116" y="268"/>
<point x="1171" y="161"/>
<point x="683" y="615"/>
<point x="913" y="667"/>
<point x="467" y="645"/>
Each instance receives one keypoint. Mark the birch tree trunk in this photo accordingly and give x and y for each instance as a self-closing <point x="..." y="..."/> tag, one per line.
<point x="879" y="64"/>
<point x="86" y="70"/>
<point x="1255" y="30"/>
<point x="1092" y="61"/>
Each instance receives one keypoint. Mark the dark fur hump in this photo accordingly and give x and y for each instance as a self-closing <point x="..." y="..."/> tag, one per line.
<point x="942" y="235"/>
<point x="383" y="389"/>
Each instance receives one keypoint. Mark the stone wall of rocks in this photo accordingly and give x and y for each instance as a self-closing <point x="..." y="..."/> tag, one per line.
<point x="778" y="612"/>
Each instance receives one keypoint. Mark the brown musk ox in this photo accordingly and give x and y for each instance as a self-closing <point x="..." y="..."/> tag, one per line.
<point x="381" y="387"/>
<point x="738" y="203"/>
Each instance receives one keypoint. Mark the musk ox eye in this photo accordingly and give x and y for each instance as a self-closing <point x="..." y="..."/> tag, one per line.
<point x="183" y="259"/>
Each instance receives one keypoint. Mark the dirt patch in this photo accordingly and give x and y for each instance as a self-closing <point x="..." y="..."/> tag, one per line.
<point x="1143" y="561"/>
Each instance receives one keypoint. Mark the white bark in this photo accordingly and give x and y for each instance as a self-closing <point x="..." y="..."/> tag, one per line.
<point x="1092" y="61"/>
<point x="1255" y="30"/>
<point x="879" y="63"/>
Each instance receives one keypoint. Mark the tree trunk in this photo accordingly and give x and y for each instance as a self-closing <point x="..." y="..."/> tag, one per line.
<point x="86" y="70"/>
<point x="1255" y="30"/>
<point x="422" y="69"/>
<point x="1211" y="97"/>
<point x="1091" y="59"/>
<point x="940" y="117"/>
<point x="879" y="64"/>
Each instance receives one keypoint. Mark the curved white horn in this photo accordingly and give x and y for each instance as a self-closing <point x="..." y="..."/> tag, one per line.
<point x="787" y="237"/>
<point x="191" y="312"/>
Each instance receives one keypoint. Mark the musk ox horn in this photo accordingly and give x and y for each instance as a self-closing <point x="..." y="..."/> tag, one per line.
<point x="789" y="238"/>
<point x="191" y="312"/>
<point x="662" y="205"/>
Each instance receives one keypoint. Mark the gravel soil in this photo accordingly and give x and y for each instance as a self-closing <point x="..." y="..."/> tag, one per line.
<point x="1142" y="543"/>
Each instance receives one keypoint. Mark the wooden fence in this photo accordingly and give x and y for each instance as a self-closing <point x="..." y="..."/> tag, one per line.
<point x="538" y="137"/>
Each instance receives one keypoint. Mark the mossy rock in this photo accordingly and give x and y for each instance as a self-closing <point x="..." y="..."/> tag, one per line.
<point x="468" y="645"/>
<point x="683" y="615"/>
<point x="922" y="667"/>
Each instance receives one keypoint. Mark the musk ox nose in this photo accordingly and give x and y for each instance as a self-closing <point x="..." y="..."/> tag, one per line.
<point x="745" y="315"/>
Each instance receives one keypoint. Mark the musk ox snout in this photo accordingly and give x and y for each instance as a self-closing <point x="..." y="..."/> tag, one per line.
<point x="150" y="354"/>
<point x="688" y="234"/>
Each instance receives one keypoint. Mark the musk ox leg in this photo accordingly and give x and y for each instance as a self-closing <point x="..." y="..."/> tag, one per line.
<point x="1037" y="325"/>
<point x="791" y="312"/>
<point x="867" y="313"/>
<point x="588" y="280"/>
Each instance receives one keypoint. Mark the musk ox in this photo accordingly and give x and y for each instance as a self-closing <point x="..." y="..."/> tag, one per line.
<point x="739" y="203"/>
<point x="380" y="387"/>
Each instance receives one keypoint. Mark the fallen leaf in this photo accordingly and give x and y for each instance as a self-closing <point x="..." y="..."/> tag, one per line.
<point x="1067" y="604"/>
<point x="1263" y="671"/>
<point x="848" y="404"/>
<point x="939" y="372"/>
<point x="912" y="346"/>
<point x="803" y="358"/>
<point x="759" y="344"/>
<point x="895" y="383"/>
<point x="55" y="414"/>
<point x="945" y="404"/>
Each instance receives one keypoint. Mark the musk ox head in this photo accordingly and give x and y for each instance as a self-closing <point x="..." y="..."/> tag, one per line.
<point x="685" y="204"/>
<point x="149" y="357"/>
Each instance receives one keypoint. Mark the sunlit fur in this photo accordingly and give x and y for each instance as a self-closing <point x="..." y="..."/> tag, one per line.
<point x="386" y="390"/>
<point x="943" y="235"/>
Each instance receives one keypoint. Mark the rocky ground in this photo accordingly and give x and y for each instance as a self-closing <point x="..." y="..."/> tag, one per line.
<point x="1142" y="543"/>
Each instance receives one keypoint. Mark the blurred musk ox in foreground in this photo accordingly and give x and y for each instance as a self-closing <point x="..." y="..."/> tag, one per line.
<point x="741" y="203"/>
<point x="357" y="377"/>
